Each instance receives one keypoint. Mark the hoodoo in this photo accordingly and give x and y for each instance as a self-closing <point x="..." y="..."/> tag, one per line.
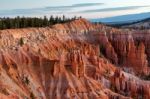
<point x="74" y="60"/>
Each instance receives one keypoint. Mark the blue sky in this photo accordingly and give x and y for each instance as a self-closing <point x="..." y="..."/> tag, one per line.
<point x="85" y="8"/>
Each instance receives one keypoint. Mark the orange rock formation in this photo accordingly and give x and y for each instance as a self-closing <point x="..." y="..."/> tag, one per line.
<point x="75" y="60"/>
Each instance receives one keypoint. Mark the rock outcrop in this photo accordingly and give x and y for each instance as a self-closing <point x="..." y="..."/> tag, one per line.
<point x="75" y="60"/>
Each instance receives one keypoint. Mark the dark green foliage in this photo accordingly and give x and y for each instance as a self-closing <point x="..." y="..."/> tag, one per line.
<point x="147" y="77"/>
<point x="27" y="80"/>
<point x="21" y="42"/>
<point x="102" y="50"/>
<point x="24" y="22"/>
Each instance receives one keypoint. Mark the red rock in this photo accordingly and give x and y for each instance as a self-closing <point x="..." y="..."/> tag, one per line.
<point x="63" y="62"/>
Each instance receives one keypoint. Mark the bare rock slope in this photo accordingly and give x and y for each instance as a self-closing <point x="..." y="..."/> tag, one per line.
<point x="75" y="60"/>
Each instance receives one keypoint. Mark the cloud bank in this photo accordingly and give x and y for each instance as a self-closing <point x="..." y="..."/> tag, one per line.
<point x="46" y="10"/>
<point x="82" y="9"/>
<point x="112" y="9"/>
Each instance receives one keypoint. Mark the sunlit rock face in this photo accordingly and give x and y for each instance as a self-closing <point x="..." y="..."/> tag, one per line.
<point x="75" y="60"/>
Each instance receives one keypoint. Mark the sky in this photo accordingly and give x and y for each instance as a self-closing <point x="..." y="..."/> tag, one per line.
<point x="89" y="9"/>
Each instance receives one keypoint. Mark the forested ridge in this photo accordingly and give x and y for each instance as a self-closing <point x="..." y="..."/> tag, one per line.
<point x="24" y="22"/>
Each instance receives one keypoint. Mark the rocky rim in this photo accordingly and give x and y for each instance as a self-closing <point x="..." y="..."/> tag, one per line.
<point x="75" y="60"/>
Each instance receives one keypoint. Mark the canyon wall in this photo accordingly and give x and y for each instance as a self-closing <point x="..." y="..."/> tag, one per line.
<point x="75" y="60"/>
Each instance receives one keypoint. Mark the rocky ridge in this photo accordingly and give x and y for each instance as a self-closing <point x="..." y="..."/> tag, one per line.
<point x="77" y="60"/>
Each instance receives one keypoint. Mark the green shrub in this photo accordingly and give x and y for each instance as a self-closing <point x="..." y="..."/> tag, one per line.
<point x="102" y="51"/>
<point x="27" y="80"/>
<point x="21" y="42"/>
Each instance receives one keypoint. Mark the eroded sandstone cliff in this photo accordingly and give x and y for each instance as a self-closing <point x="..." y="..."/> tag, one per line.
<point x="75" y="60"/>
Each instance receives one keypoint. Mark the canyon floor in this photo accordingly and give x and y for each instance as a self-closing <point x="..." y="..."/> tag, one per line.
<point x="75" y="60"/>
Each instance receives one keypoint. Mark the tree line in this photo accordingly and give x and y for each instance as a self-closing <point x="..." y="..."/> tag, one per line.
<point x="24" y="22"/>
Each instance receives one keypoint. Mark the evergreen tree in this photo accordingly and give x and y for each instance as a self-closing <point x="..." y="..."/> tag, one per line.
<point x="64" y="18"/>
<point x="45" y="21"/>
<point x="1" y="24"/>
<point x="24" y="22"/>
<point x="51" y="20"/>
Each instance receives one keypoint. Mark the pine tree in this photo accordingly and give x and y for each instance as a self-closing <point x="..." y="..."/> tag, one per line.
<point x="22" y="22"/>
<point x="64" y="18"/>
<point x="51" y="20"/>
<point x="45" y="21"/>
<point x="0" y="23"/>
